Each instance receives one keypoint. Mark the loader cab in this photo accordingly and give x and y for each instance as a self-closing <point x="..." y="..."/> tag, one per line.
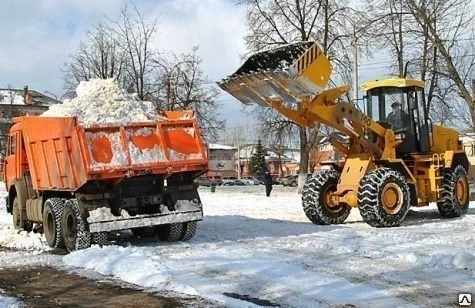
<point x="399" y="104"/>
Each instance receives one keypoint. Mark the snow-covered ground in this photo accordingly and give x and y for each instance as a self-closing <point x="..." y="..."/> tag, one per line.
<point x="8" y="302"/>
<point x="264" y="250"/>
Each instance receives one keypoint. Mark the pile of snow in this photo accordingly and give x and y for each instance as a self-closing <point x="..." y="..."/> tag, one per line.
<point x="102" y="101"/>
<point x="11" y="238"/>
<point x="8" y="97"/>
<point x="116" y="261"/>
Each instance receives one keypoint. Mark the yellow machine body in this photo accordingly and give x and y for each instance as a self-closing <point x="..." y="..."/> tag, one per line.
<point x="292" y="80"/>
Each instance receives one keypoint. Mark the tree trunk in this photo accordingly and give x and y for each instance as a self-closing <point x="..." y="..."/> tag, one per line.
<point x="304" y="158"/>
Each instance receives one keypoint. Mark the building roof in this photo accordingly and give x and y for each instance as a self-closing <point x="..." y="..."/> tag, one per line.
<point x="215" y="146"/>
<point x="393" y="82"/>
<point x="16" y="97"/>
<point x="287" y="156"/>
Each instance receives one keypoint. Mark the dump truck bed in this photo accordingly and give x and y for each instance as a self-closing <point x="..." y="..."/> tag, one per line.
<point x="63" y="155"/>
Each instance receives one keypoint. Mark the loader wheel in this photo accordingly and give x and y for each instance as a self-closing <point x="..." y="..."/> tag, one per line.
<point x="316" y="199"/>
<point x="454" y="198"/>
<point x="384" y="198"/>
<point x="19" y="223"/>
<point x="170" y="232"/>
<point x="144" y="232"/>
<point x="52" y="214"/>
<point x="75" y="233"/>
<point x="189" y="230"/>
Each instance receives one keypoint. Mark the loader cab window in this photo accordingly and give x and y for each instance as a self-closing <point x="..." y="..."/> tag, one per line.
<point x="402" y="110"/>
<point x="389" y="107"/>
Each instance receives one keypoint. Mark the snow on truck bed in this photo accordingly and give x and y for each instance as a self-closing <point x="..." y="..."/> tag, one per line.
<point x="102" y="101"/>
<point x="264" y="250"/>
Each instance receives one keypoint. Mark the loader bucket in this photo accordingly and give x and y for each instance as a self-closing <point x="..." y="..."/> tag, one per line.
<point x="289" y="74"/>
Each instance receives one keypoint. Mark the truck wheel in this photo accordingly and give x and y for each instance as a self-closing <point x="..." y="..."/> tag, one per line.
<point x="52" y="214"/>
<point x="144" y="232"/>
<point x="75" y="233"/>
<point x="316" y="199"/>
<point x="189" y="230"/>
<point x="454" y="197"/>
<point x="100" y="238"/>
<point x="384" y="198"/>
<point x="170" y="232"/>
<point x="19" y="223"/>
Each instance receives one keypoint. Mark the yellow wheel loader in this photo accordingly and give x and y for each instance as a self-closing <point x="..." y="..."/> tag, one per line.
<point x="395" y="157"/>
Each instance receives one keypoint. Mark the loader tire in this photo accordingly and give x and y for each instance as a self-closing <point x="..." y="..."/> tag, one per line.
<point x="75" y="232"/>
<point x="384" y="198"/>
<point x="100" y="238"/>
<point x="144" y="232"/>
<point x="52" y="215"/>
<point x="316" y="202"/>
<point x="189" y="230"/>
<point x="170" y="232"/>
<point x="19" y="222"/>
<point x="454" y="197"/>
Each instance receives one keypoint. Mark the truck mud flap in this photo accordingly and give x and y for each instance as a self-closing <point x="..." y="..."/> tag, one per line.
<point x="144" y="221"/>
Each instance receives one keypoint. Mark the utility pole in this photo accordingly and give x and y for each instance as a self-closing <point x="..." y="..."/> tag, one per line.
<point x="355" y="65"/>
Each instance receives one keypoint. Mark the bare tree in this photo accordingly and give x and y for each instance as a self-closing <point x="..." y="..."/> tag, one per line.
<point x="134" y="35"/>
<point x="277" y="22"/>
<point x="98" y="56"/>
<point x="447" y="25"/>
<point x="181" y="84"/>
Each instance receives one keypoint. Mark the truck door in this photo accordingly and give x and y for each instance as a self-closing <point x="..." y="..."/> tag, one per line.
<point x="11" y="167"/>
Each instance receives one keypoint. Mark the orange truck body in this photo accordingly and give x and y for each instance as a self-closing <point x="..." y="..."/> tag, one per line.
<point x="140" y="167"/>
<point x="62" y="155"/>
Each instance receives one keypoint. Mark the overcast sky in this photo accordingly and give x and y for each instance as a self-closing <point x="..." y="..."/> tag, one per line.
<point x="37" y="36"/>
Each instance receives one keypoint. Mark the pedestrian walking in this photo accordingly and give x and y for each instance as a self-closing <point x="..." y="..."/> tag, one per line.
<point x="268" y="181"/>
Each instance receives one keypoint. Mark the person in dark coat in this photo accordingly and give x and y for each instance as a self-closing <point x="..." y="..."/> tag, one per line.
<point x="268" y="181"/>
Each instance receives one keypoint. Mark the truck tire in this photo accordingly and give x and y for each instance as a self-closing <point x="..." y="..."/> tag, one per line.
<point x="19" y="223"/>
<point x="75" y="233"/>
<point x="144" y="232"/>
<point x="100" y="238"/>
<point x="454" y="197"/>
<point x="384" y="198"/>
<point x="189" y="230"/>
<point x="52" y="215"/>
<point x="315" y="199"/>
<point x="170" y="232"/>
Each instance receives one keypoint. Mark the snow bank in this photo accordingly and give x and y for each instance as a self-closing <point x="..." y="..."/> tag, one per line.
<point x="29" y="241"/>
<point x="11" y="238"/>
<point x="9" y="302"/>
<point x="101" y="101"/>
<point x="131" y="264"/>
<point x="266" y="249"/>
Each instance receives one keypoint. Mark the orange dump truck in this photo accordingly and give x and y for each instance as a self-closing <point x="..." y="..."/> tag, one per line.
<point x="78" y="183"/>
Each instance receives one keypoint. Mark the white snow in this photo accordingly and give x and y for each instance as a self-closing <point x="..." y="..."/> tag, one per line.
<point x="8" y="97"/>
<point x="215" y="146"/>
<point x="9" y="302"/>
<point x="101" y="101"/>
<point x="266" y="248"/>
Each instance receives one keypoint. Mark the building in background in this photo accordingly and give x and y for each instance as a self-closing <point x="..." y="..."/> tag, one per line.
<point x="273" y="160"/>
<point x="222" y="160"/>
<point x="19" y="102"/>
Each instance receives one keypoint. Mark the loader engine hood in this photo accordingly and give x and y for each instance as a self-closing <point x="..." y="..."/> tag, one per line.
<point x="289" y="73"/>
